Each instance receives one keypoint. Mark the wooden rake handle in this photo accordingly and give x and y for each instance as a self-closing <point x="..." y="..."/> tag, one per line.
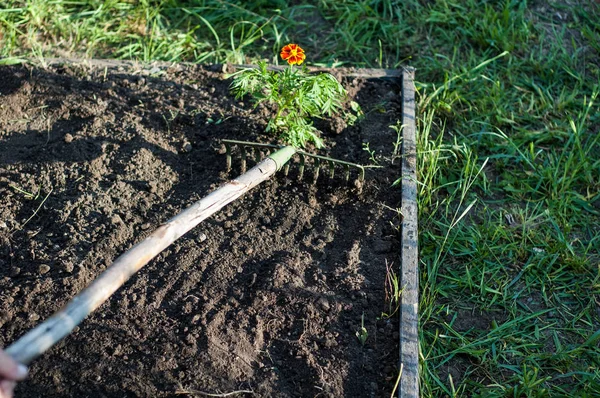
<point x="45" y="335"/>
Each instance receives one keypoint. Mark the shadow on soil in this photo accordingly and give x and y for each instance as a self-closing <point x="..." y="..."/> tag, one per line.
<point x="266" y="295"/>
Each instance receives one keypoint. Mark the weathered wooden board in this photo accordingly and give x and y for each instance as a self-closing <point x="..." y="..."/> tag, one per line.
<point x="367" y="73"/>
<point x="409" y="315"/>
<point x="156" y="66"/>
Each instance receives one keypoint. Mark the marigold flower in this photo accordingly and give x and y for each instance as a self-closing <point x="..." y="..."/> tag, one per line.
<point x="293" y="54"/>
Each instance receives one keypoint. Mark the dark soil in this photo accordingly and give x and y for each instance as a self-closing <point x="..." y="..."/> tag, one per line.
<point x="265" y="296"/>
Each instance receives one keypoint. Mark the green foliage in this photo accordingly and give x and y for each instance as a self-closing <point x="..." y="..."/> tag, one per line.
<point x="362" y="334"/>
<point x="167" y="30"/>
<point x="297" y="96"/>
<point x="393" y="291"/>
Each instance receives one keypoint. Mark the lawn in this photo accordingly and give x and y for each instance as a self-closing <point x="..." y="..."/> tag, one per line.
<point x="509" y="154"/>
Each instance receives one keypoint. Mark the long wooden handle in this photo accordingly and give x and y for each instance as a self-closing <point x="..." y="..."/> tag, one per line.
<point x="42" y="337"/>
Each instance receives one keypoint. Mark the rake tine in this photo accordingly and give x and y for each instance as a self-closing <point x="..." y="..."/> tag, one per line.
<point x="243" y="151"/>
<point x="228" y="153"/>
<point x="257" y="150"/>
<point x="317" y="166"/>
<point x="301" y="168"/>
<point x="257" y="155"/>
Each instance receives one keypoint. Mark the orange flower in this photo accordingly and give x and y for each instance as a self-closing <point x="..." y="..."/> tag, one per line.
<point x="293" y="54"/>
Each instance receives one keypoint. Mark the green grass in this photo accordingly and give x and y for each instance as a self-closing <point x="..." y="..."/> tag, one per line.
<point x="509" y="155"/>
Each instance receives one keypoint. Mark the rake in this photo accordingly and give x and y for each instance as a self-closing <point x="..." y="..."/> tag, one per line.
<point x="44" y="336"/>
<point x="255" y="151"/>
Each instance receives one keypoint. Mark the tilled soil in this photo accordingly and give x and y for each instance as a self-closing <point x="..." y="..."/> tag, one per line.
<point x="266" y="296"/>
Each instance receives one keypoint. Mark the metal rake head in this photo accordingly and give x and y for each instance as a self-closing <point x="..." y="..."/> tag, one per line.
<point x="256" y="151"/>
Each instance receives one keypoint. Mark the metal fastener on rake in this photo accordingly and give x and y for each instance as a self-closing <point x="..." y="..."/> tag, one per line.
<point x="255" y="149"/>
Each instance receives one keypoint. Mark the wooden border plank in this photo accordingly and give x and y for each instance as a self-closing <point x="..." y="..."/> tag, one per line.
<point x="367" y="73"/>
<point x="409" y="316"/>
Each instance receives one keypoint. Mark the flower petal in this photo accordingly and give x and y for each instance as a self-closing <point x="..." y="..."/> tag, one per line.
<point x="293" y="54"/>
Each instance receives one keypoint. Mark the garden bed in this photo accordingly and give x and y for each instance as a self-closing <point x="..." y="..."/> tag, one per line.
<point x="267" y="296"/>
